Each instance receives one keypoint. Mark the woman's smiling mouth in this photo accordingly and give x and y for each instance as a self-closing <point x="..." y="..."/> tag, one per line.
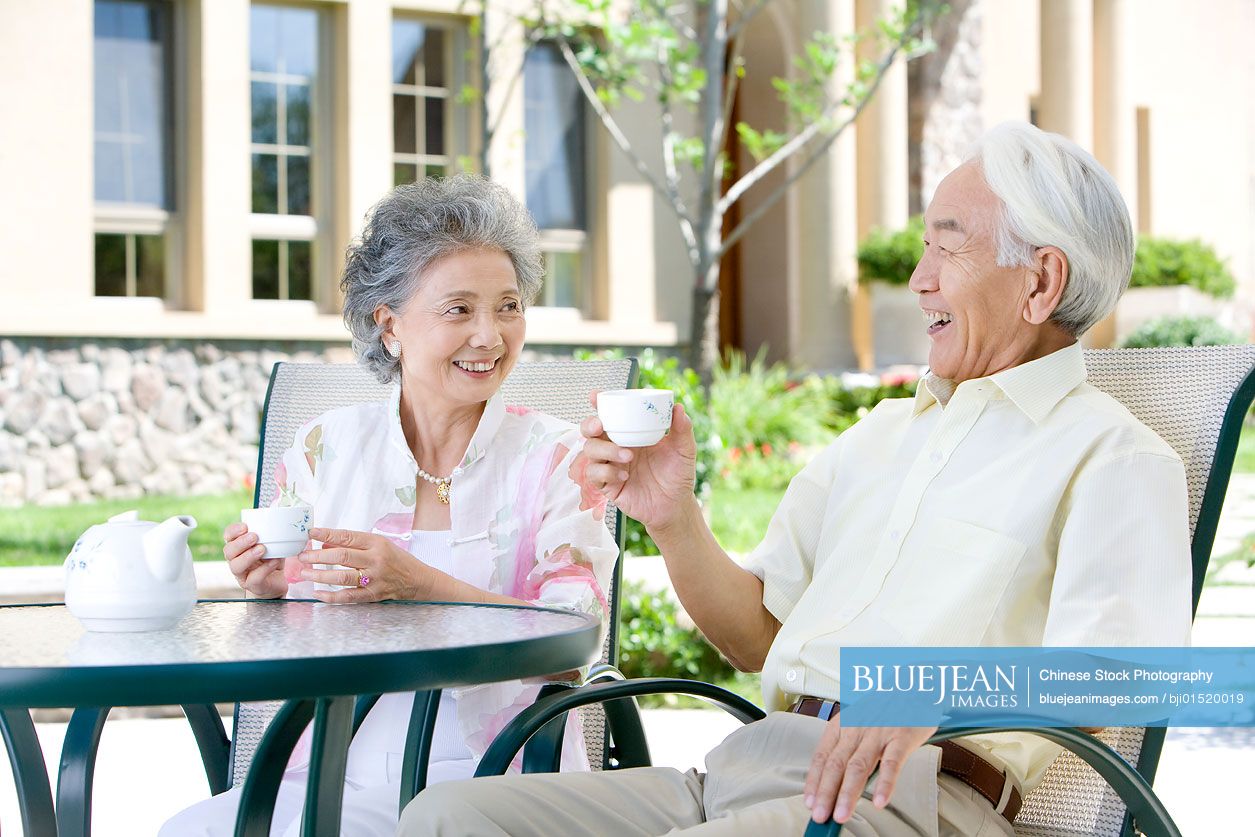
<point x="477" y="369"/>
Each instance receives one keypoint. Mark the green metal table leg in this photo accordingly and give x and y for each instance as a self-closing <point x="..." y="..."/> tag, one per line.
<point x="30" y="775"/>
<point x="324" y="793"/>
<point x="418" y="745"/>
<point x="78" y="770"/>
<point x="212" y="741"/>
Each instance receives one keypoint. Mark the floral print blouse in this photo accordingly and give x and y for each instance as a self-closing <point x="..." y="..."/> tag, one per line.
<point x="524" y="523"/>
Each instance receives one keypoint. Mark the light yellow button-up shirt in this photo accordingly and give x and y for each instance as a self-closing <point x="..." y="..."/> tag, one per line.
<point x="1025" y="508"/>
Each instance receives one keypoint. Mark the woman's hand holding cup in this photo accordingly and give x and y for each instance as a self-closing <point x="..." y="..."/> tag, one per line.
<point x="651" y="484"/>
<point x="246" y="557"/>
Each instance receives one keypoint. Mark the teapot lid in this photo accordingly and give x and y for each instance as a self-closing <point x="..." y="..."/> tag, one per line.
<point x="129" y="516"/>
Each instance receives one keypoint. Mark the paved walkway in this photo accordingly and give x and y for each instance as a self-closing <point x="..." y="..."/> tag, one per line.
<point x="148" y="768"/>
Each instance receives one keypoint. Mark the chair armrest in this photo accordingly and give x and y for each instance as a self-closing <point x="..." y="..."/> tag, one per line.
<point x="1146" y="808"/>
<point x="503" y="748"/>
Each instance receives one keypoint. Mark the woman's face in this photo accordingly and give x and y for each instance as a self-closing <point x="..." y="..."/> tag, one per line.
<point x="462" y="331"/>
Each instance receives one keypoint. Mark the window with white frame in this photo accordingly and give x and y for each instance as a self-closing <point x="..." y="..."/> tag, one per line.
<point x="285" y="48"/>
<point x="422" y="100"/>
<point x="132" y="137"/>
<point x="557" y="167"/>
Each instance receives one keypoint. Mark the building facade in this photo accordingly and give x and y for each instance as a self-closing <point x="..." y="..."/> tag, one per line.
<point x="180" y="179"/>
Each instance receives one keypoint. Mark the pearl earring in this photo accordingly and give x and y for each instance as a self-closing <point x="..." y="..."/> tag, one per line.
<point x="394" y="348"/>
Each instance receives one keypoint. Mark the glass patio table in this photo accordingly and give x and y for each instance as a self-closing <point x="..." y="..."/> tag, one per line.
<point x="318" y="657"/>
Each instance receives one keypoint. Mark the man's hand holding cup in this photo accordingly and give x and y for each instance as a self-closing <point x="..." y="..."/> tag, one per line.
<point x="641" y="452"/>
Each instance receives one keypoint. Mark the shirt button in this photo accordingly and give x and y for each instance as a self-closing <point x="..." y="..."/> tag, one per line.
<point x="895" y="534"/>
<point x="791" y="675"/>
<point x="935" y="456"/>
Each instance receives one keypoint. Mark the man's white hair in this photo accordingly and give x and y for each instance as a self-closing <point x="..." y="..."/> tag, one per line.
<point x="1054" y="193"/>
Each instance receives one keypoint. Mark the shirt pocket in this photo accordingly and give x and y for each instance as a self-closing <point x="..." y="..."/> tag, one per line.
<point x="949" y="589"/>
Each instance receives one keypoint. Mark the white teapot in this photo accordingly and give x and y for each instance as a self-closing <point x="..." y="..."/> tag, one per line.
<point x="131" y="575"/>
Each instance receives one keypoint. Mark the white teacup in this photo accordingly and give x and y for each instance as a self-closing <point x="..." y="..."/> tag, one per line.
<point x="635" y="418"/>
<point x="283" y="530"/>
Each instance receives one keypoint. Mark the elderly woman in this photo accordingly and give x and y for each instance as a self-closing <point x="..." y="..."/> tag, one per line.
<point x="441" y="493"/>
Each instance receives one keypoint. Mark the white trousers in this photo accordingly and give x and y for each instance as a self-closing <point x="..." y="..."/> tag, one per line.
<point x="369" y="809"/>
<point x="752" y="785"/>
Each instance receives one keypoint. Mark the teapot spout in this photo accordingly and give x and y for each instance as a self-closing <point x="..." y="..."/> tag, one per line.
<point x="165" y="546"/>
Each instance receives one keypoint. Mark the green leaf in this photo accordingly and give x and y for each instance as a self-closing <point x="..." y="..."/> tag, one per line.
<point x="690" y="150"/>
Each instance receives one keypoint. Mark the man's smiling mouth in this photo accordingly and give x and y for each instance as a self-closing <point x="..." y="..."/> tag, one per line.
<point x="936" y="320"/>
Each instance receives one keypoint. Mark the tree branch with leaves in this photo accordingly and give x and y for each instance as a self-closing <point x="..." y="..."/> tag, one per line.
<point x="687" y="57"/>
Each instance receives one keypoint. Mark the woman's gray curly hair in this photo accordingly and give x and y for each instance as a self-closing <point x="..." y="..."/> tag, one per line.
<point x="415" y="226"/>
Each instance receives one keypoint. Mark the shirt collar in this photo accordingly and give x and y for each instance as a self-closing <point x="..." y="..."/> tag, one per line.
<point x="489" y="423"/>
<point x="1034" y="387"/>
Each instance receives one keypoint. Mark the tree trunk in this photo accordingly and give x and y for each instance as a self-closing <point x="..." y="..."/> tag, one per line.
<point x="704" y="333"/>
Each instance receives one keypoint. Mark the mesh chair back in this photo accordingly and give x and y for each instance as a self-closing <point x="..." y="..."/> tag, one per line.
<point x="302" y="391"/>
<point x="1182" y="395"/>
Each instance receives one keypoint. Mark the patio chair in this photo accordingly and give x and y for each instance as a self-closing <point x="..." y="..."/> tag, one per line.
<point x="1196" y="400"/>
<point x="299" y="392"/>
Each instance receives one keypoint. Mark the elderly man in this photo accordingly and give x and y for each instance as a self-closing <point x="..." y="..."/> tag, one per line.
<point x="1008" y="503"/>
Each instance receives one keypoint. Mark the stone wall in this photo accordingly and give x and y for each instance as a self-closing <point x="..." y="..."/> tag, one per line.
<point x="83" y="419"/>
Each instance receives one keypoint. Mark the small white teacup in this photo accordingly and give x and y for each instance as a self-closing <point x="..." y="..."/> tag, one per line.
<point x="283" y="530"/>
<point x="635" y="418"/>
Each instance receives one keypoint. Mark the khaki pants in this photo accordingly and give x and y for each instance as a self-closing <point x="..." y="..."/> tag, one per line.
<point x="752" y="785"/>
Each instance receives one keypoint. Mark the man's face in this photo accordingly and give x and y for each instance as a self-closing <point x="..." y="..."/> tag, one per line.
<point x="974" y="310"/>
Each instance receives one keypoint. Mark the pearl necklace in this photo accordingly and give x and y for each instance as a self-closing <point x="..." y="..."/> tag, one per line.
<point x="442" y="484"/>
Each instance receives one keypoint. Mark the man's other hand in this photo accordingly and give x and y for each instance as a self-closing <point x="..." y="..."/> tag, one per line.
<point x="845" y="759"/>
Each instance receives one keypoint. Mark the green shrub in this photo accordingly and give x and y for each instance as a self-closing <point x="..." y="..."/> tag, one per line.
<point x="1160" y="262"/>
<point x="755" y="404"/>
<point x="844" y="404"/>
<point x="1181" y="331"/>
<point x="892" y="256"/>
<point x="653" y="644"/>
<point x="658" y="372"/>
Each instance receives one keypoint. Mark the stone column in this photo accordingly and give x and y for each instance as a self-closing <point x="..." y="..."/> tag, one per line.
<point x="362" y="146"/>
<point x="827" y="230"/>
<point x="1115" y="119"/>
<point x="1066" y="102"/>
<point x="45" y="159"/>
<point x="883" y="166"/>
<point x="217" y="252"/>
<point x="1115" y="114"/>
<point x="1070" y="94"/>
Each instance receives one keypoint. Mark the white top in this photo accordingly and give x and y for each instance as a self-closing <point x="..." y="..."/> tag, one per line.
<point x="383" y="731"/>
<point x="1026" y="508"/>
<point x="525" y="523"/>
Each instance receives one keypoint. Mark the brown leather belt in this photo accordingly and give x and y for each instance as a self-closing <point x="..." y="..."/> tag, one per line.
<point x="957" y="761"/>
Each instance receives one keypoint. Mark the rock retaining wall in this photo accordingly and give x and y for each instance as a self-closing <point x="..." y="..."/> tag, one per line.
<point x="83" y="419"/>
<point x="86" y="419"/>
